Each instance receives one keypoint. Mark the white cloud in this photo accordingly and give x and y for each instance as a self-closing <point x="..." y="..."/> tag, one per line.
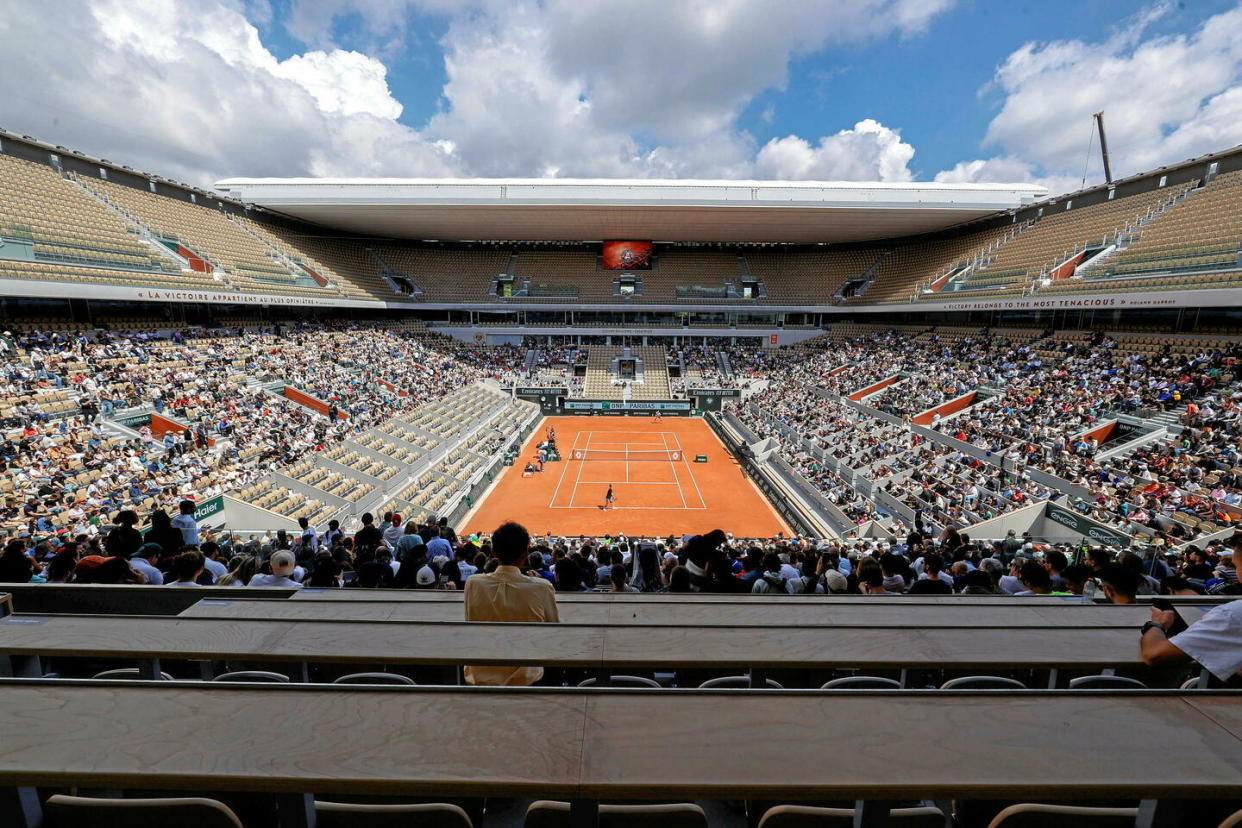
<point x="189" y="90"/>
<point x="868" y="152"/>
<point x="564" y="88"/>
<point x="344" y="82"/>
<point x="1165" y="98"/>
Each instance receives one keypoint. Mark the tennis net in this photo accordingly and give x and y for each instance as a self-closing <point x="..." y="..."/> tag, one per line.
<point x="627" y="454"/>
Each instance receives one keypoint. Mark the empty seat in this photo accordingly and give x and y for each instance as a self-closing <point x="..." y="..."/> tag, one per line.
<point x="348" y="815"/>
<point x="128" y="674"/>
<point x="262" y="676"/>
<point x="548" y="814"/>
<point x="184" y="812"/>
<point x="1106" y="683"/>
<point x="1028" y="815"/>
<point x="737" y="682"/>
<point x="803" y="816"/>
<point x="374" y="678"/>
<point x="621" y="681"/>
<point x="862" y="683"/>
<point x="983" y="683"/>
<point x="1232" y="821"/>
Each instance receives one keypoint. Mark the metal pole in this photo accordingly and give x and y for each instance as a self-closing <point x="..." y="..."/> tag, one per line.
<point x="1099" y="124"/>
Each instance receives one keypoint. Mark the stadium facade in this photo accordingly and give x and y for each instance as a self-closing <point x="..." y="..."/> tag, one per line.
<point x="501" y="256"/>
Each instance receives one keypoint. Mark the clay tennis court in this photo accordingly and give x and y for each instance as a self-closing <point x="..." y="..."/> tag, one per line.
<point x="658" y="489"/>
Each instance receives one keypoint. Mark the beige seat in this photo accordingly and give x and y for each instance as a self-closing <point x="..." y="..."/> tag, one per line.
<point x="375" y="678"/>
<point x="861" y="683"/>
<point x="184" y="812"/>
<point x="983" y="683"/>
<point x="1103" y="682"/>
<point x="621" y="681"/>
<point x="1029" y="815"/>
<point x="737" y="683"/>
<point x="1232" y="821"/>
<point x="128" y="674"/>
<point x="434" y="815"/>
<point x="803" y="816"/>
<point x="548" y="814"/>
<point x="262" y="676"/>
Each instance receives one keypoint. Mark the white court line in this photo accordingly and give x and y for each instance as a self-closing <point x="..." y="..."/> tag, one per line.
<point x="673" y="466"/>
<point x="690" y="471"/>
<point x="578" y="477"/>
<point x="564" y="468"/>
<point x="641" y="446"/>
<point x="640" y="508"/>
<point x="638" y="482"/>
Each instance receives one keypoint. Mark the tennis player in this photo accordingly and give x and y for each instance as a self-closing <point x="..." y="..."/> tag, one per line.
<point x="608" y="497"/>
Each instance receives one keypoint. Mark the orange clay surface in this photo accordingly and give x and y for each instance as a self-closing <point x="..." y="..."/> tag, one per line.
<point x="650" y="496"/>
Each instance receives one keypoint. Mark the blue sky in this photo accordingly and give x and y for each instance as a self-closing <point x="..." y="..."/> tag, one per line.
<point x="952" y="90"/>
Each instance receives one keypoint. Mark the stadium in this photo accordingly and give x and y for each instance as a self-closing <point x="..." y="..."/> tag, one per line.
<point x="894" y="471"/>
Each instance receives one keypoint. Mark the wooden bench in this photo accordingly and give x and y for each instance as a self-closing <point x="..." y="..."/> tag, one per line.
<point x="587" y="745"/>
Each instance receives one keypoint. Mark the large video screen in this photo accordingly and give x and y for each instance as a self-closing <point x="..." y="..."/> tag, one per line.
<point x="627" y="255"/>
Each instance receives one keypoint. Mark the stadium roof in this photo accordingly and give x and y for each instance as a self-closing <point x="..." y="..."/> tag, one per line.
<point x="553" y="209"/>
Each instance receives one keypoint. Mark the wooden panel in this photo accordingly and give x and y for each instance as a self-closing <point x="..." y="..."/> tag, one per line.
<point x="1225" y="710"/>
<point x="313" y="641"/>
<point x="432" y="743"/>
<point x="123" y="599"/>
<point x="896" y="647"/>
<point x="687" y="614"/>
<point x="858" y="745"/>
<point x="563" y="644"/>
<point x="713" y="598"/>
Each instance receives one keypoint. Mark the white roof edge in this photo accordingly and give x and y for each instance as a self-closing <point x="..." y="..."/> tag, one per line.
<point x="642" y="183"/>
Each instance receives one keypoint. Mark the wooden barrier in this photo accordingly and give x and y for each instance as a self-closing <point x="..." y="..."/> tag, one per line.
<point x="741" y="614"/>
<point x="25" y="640"/>
<point x="586" y="745"/>
<point x="862" y="393"/>
<point x="123" y="599"/>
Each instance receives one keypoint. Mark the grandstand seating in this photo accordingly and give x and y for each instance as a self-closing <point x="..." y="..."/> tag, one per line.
<point x="346" y="264"/>
<point x="248" y="263"/>
<point x="446" y="275"/>
<point x="1054" y="238"/>
<point x="66" y="225"/>
<point x="808" y="276"/>
<point x="907" y="267"/>
<point x="1202" y="232"/>
<point x="599" y="379"/>
<point x="81" y="228"/>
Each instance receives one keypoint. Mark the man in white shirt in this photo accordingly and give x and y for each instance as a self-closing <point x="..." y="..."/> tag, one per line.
<point x="283" y="564"/>
<point x="211" y="561"/>
<point x="186" y="523"/>
<point x="310" y="538"/>
<point x="1215" y="641"/>
<point x="141" y="562"/>
<point x="508" y="595"/>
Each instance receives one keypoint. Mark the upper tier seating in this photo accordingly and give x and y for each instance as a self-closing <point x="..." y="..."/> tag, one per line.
<point x="904" y="270"/>
<point x="65" y="223"/>
<point x="808" y="276"/>
<point x="1202" y="232"/>
<point x="446" y="275"/>
<point x="248" y="263"/>
<point x="1054" y="238"/>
